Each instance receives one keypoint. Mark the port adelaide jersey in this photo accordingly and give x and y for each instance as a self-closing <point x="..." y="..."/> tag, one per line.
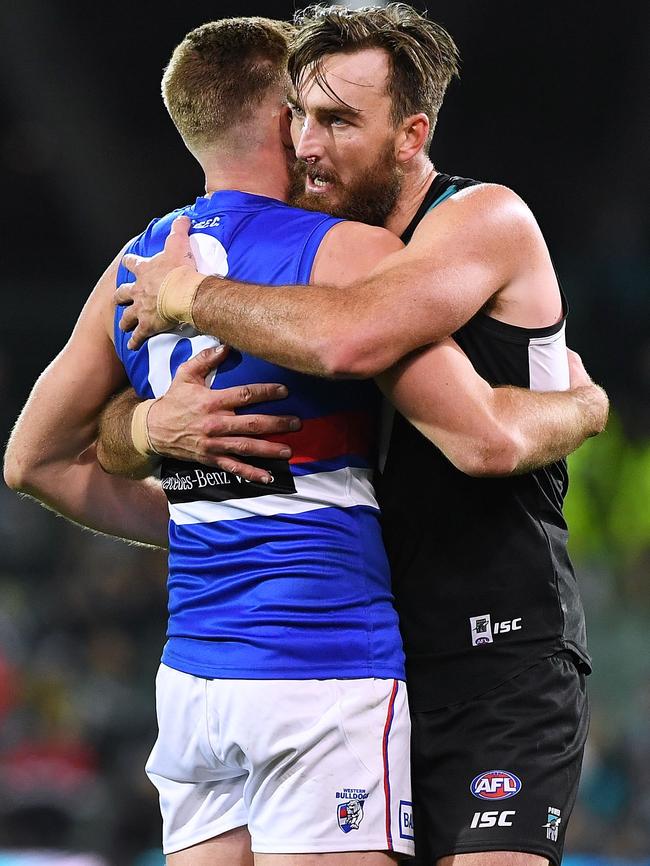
<point x="287" y="580"/>
<point x="481" y="575"/>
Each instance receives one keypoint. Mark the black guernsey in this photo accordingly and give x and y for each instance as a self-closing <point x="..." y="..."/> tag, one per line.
<point x="482" y="580"/>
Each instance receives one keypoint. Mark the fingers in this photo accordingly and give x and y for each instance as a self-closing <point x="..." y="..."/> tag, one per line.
<point x="138" y="336"/>
<point x="123" y="294"/>
<point x="142" y="332"/>
<point x="196" y="369"/>
<point x="131" y="262"/>
<point x="252" y="425"/>
<point x="578" y="376"/>
<point x="250" y="473"/>
<point x="241" y="446"/>
<point x="178" y="239"/>
<point x="129" y="320"/>
<point x="181" y="226"/>
<point x="245" y="395"/>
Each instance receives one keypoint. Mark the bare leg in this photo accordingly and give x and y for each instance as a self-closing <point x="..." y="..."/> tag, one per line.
<point x="494" y="858"/>
<point x="229" y="849"/>
<point x="354" y="858"/>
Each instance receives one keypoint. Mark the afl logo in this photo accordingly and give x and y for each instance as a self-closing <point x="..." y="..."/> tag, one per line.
<point x="495" y="785"/>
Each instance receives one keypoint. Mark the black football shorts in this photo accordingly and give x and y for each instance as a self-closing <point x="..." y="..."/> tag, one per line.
<point x="500" y="772"/>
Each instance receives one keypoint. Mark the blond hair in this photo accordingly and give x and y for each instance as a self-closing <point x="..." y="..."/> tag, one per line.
<point x="222" y="70"/>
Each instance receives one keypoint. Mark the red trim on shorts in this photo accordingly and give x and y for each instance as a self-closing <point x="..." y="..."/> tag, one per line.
<point x="384" y="749"/>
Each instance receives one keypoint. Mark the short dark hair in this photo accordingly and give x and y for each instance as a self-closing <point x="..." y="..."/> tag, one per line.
<point x="423" y="56"/>
<point x="221" y="70"/>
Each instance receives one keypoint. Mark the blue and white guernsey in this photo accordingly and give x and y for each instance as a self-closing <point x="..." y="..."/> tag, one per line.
<point x="287" y="580"/>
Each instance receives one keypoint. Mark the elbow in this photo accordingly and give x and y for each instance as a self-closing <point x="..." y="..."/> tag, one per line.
<point x="19" y="475"/>
<point x="494" y="456"/>
<point x="27" y="471"/>
<point x="350" y="357"/>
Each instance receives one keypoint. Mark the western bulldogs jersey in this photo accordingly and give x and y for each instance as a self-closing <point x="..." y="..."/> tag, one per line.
<point x="287" y="580"/>
<point x="483" y="583"/>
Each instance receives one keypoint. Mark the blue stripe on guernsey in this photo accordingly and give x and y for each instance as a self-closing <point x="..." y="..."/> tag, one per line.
<point x="346" y="460"/>
<point x="445" y="195"/>
<point x="287" y="580"/>
<point x="259" y="588"/>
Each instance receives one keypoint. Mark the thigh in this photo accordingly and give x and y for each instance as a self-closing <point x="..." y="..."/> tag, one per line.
<point x="232" y="848"/>
<point x="494" y="858"/>
<point x="500" y="773"/>
<point x="329" y="769"/>
<point x="357" y="858"/>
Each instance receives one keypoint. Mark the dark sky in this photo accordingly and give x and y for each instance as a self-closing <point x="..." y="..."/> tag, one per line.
<point x="551" y="103"/>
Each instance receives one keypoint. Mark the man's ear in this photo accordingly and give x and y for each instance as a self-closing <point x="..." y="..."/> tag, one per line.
<point x="411" y="136"/>
<point x="285" y="127"/>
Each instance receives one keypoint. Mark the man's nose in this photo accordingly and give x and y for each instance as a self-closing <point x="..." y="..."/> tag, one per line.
<point x="309" y="145"/>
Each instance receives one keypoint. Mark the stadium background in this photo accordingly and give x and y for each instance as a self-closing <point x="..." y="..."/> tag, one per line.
<point x="550" y="103"/>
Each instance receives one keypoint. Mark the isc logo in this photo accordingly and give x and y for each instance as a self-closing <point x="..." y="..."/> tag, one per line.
<point x="495" y="785"/>
<point x="507" y="625"/>
<point x="491" y="819"/>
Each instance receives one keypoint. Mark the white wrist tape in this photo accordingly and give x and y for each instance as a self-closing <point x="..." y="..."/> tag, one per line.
<point x="140" y="431"/>
<point x="177" y="294"/>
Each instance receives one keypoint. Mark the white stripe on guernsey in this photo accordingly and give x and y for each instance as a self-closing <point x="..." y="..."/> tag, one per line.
<point x="211" y="258"/>
<point x="343" y="488"/>
<point x="161" y="347"/>
<point x="548" y="364"/>
<point x="210" y="255"/>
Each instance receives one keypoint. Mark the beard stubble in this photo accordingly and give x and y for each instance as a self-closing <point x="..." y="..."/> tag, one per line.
<point x="369" y="198"/>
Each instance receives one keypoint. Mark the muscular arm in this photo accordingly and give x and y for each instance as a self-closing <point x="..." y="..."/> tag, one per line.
<point x="51" y="452"/>
<point x="192" y="422"/>
<point x="487" y="431"/>
<point x="461" y="255"/>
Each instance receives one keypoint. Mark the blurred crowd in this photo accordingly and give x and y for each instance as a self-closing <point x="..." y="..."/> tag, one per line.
<point x="82" y="621"/>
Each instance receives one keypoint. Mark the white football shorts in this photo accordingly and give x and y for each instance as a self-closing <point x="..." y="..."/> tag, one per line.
<point x="310" y="766"/>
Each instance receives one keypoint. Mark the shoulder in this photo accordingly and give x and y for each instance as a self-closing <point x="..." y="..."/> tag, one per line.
<point x="481" y="210"/>
<point x="152" y="239"/>
<point x="483" y="221"/>
<point x="350" y="251"/>
<point x="148" y="242"/>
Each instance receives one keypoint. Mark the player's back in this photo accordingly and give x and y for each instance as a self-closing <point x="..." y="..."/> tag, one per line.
<point x="286" y="580"/>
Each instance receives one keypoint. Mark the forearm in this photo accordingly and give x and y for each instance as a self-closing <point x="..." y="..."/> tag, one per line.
<point x="354" y="332"/>
<point x="292" y="326"/>
<point x="83" y="493"/>
<point x="547" y="426"/>
<point x="486" y="431"/>
<point x="116" y="450"/>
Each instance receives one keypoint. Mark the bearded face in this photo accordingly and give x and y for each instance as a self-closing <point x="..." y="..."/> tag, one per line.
<point x="367" y="195"/>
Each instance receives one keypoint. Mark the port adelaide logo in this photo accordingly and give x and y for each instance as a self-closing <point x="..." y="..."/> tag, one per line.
<point x="483" y="630"/>
<point x="495" y="785"/>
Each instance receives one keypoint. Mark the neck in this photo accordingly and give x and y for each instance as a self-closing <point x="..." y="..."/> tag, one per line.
<point x="261" y="180"/>
<point x="418" y="175"/>
<point x="260" y="170"/>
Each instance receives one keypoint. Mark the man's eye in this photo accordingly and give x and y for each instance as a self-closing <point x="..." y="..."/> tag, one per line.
<point x="296" y="112"/>
<point x="338" y="121"/>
